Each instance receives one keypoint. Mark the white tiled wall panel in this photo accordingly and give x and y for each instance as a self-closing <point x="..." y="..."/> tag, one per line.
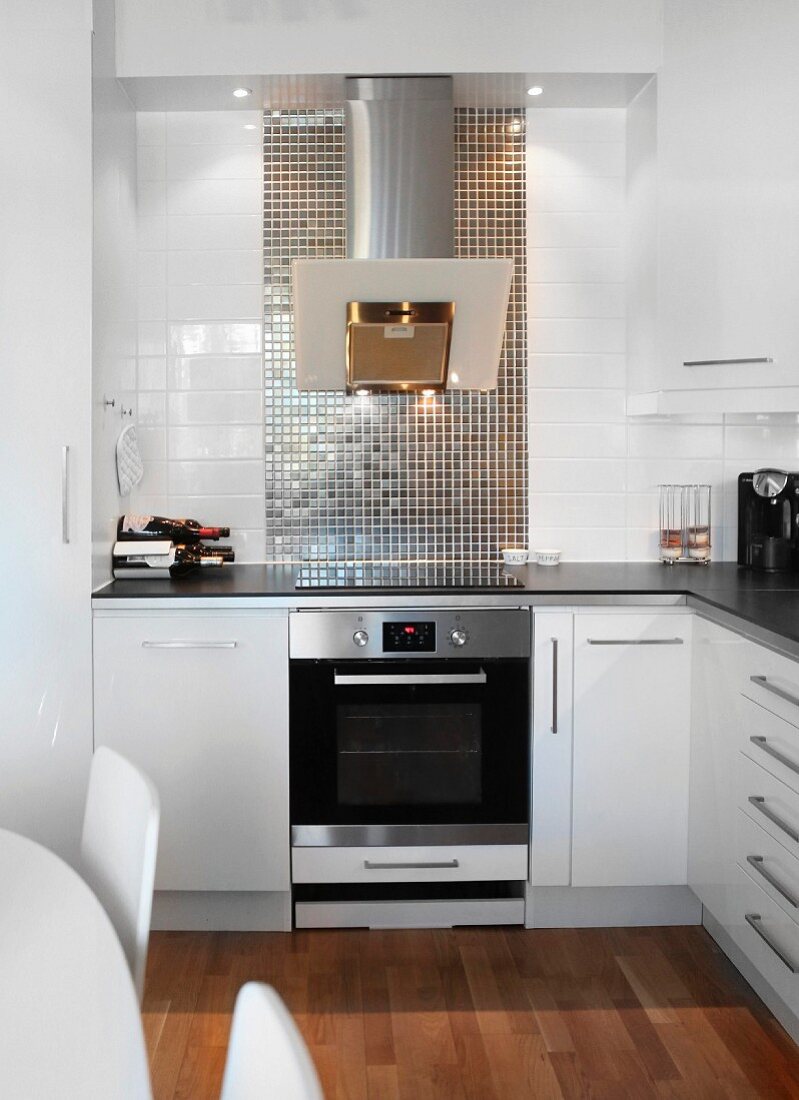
<point x="593" y="473"/>
<point x="200" y="274"/>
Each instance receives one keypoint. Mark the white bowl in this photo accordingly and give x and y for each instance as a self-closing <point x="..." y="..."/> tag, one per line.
<point x="546" y="557"/>
<point x="514" y="555"/>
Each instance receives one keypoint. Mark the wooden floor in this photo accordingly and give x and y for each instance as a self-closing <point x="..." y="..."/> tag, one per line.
<point x="485" y="1014"/>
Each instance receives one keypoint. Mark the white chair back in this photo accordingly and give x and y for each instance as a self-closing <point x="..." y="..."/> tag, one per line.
<point x="118" y="851"/>
<point x="267" y="1056"/>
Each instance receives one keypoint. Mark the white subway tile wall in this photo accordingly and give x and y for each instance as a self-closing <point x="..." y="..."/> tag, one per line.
<point x="594" y="473"/>
<point x="200" y="366"/>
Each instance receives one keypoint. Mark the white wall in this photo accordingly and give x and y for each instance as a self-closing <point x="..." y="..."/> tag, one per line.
<point x="200" y="354"/>
<point x="224" y="37"/>
<point x="114" y="304"/>
<point x="593" y="472"/>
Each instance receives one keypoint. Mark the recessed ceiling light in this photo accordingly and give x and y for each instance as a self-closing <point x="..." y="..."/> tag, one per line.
<point x="242" y="93"/>
<point x="455" y="377"/>
<point x="535" y="90"/>
<point x="250" y="126"/>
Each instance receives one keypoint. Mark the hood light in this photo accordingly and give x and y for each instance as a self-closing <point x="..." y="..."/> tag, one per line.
<point x="535" y="90"/>
<point x="428" y="393"/>
<point x="362" y="393"/>
<point x="250" y="126"/>
<point x="242" y="93"/>
<point x="455" y="377"/>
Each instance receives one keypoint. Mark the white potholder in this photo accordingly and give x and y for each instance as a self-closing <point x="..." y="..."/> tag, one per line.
<point x="129" y="463"/>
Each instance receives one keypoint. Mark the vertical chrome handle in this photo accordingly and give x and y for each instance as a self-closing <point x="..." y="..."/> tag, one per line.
<point x="554" y="726"/>
<point x="65" y="494"/>
<point x="753" y="920"/>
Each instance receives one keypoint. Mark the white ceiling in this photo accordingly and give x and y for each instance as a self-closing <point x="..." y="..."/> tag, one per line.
<point x="215" y="93"/>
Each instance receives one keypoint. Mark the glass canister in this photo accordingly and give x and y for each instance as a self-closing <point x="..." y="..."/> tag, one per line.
<point x="697" y="523"/>
<point x="671" y="523"/>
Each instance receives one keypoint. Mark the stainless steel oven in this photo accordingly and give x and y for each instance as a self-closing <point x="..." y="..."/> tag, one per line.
<point x="409" y="727"/>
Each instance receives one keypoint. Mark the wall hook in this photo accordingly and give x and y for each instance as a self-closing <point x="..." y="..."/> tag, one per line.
<point x="126" y="412"/>
<point x="109" y="402"/>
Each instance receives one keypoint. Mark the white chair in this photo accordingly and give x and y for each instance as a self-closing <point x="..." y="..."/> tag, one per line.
<point x="118" y="851"/>
<point x="267" y="1056"/>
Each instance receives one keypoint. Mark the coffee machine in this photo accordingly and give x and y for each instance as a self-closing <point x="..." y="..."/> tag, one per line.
<point x="768" y="521"/>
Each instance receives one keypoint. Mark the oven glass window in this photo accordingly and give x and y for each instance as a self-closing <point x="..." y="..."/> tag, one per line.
<point x="400" y="755"/>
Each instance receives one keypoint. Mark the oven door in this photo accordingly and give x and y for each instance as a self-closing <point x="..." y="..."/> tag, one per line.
<point x="386" y="743"/>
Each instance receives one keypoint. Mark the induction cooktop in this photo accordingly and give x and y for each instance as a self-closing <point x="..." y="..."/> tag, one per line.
<point x="405" y="575"/>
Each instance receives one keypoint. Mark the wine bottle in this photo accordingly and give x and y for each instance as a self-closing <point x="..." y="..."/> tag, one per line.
<point x="226" y="553"/>
<point x="131" y="560"/>
<point x="179" y="531"/>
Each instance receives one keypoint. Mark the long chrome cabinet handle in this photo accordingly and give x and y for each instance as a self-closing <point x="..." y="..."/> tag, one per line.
<point x="762" y="681"/>
<point x="449" y="863"/>
<point x="65" y="494"/>
<point x="721" y="362"/>
<point x="189" y="645"/>
<point x="757" y="863"/>
<point x="759" y="804"/>
<point x="763" y="744"/>
<point x="636" y="641"/>
<point x="753" y="920"/>
<point x="554" y="726"/>
<point x="343" y="679"/>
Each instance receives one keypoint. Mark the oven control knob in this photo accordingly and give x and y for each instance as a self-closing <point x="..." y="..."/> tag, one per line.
<point x="458" y="637"/>
<point x="360" y="637"/>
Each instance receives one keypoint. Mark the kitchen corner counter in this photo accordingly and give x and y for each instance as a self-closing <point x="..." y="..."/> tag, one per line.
<point x="765" y="605"/>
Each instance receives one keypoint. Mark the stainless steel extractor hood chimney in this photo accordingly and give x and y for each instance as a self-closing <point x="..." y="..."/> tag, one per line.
<point x="399" y="314"/>
<point x="400" y="168"/>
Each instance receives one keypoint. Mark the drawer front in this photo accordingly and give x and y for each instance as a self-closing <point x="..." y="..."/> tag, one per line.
<point x="446" y="863"/>
<point x="770" y="741"/>
<point x="771" y="866"/>
<point x="769" y="802"/>
<point x="773" y="681"/>
<point x="769" y="937"/>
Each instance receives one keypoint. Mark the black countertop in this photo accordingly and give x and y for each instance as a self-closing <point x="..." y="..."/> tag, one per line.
<point x="769" y="602"/>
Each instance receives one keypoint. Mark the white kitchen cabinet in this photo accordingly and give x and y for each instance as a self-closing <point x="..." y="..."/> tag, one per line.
<point x="552" y="748"/>
<point x="716" y="718"/>
<point x="726" y="210"/>
<point x="631" y="749"/>
<point x="45" y="418"/>
<point x="199" y="700"/>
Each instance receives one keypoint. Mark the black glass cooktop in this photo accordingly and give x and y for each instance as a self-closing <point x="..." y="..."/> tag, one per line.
<point x="415" y="575"/>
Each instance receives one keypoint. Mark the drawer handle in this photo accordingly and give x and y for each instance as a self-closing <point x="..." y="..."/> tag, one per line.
<point x="554" y="726"/>
<point x="757" y="863"/>
<point x="636" y="641"/>
<point x="724" y="362"/>
<point x="763" y="744"/>
<point x="189" y="645"/>
<point x="762" y="681"/>
<point x="759" y="803"/>
<point x="449" y="863"/>
<point x="753" y="920"/>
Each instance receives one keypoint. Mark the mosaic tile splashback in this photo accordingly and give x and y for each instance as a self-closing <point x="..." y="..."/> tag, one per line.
<point x="393" y="477"/>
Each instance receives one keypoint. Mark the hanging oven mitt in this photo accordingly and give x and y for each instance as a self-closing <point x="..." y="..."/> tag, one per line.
<point x="129" y="463"/>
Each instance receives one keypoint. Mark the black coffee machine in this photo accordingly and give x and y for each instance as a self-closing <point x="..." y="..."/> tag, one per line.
<point x="768" y="521"/>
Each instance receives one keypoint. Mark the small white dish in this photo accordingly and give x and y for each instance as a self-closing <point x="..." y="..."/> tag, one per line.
<point x="546" y="557"/>
<point x="515" y="555"/>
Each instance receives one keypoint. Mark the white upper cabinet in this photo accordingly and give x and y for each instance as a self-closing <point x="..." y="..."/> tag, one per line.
<point x="727" y="206"/>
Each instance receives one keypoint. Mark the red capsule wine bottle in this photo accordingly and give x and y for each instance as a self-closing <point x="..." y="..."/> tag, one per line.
<point x="226" y="553"/>
<point x="178" y="561"/>
<point x="179" y="531"/>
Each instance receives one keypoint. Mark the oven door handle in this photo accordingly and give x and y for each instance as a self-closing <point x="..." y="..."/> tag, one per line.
<point x="346" y="679"/>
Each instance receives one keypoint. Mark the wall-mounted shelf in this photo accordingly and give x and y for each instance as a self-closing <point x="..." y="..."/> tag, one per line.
<point x="744" y="399"/>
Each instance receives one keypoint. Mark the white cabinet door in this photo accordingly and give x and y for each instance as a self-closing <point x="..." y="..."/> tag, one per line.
<point x="45" y="364"/>
<point x="718" y="655"/>
<point x="552" y="748"/>
<point x="728" y="116"/>
<point x="632" y="677"/>
<point x="199" y="700"/>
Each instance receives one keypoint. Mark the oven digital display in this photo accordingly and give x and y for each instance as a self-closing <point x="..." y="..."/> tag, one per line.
<point x="409" y="637"/>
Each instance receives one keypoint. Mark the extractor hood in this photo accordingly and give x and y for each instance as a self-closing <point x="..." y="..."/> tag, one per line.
<point x="399" y="314"/>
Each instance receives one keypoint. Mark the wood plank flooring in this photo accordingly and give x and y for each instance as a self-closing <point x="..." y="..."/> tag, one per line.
<point x="487" y="1014"/>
